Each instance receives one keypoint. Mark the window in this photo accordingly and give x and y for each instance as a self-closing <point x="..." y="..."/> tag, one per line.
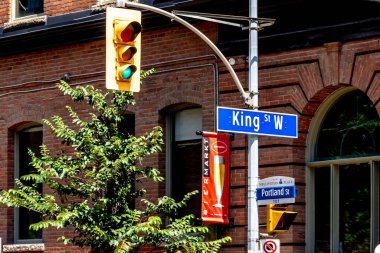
<point x="28" y="7"/>
<point x="27" y="138"/>
<point x="344" y="178"/>
<point x="128" y="127"/>
<point x="184" y="157"/>
<point x="350" y="129"/>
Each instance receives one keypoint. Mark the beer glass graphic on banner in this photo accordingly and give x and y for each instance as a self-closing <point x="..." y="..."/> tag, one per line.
<point x="219" y="170"/>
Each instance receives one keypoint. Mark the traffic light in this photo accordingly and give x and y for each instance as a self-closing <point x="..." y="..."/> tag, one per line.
<point x="278" y="219"/>
<point x="123" y="49"/>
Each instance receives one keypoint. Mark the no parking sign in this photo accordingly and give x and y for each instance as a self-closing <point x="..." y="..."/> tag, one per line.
<point x="270" y="246"/>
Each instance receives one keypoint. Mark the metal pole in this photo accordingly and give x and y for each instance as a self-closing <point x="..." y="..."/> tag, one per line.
<point x="253" y="143"/>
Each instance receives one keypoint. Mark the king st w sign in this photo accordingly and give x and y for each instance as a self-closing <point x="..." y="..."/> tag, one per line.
<point x="257" y="122"/>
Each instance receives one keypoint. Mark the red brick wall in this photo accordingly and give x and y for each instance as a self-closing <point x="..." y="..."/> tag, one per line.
<point x="28" y="93"/>
<point x="4" y="11"/>
<point x="51" y="7"/>
<point x="292" y="82"/>
<point x="56" y="7"/>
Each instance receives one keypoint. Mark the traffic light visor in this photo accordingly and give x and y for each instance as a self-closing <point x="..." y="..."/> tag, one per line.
<point x="126" y="31"/>
<point x="279" y="219"/>
<point x="125" y="53"/>
<point x="285" y="220"/>
<point x="125" y="72"/>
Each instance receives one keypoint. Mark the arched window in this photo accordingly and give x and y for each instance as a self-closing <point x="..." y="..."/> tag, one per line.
<point x="350" y="129"/>
<point x="343" y="192"/>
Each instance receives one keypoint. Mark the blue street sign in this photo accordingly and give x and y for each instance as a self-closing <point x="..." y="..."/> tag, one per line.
<point x="281" y="192"/>
<point x="276" y="190"/>
<point x="257" y="122"/>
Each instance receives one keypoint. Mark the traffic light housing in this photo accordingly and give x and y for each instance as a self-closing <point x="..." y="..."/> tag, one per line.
<point x="279" y="219"/>
<point x="123" y="49"/>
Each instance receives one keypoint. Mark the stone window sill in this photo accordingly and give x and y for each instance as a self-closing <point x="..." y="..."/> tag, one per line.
<point x="25" y="22"/>
<point x="24" y="247"/>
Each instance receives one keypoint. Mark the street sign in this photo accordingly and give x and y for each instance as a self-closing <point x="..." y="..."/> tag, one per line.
<point x="276" y="190"/>
<point x="270" y="245"/>
<point x="257" y="122"/>
<point x="274" y="193"/>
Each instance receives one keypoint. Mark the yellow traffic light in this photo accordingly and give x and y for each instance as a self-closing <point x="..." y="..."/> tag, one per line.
<point x="123" y="49"/>
<point x="278" y="219"/>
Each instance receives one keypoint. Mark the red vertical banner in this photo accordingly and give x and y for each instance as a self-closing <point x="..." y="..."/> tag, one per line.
<point x="215" y="177"/>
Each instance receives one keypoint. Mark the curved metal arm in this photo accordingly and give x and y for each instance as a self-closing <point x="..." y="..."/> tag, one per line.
<point x="247" y="96"/>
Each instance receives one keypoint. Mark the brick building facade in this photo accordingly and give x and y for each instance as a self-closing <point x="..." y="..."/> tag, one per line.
<point x="308" y="79"/>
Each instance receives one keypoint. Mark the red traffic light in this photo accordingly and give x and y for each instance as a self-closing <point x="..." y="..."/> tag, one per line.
<point x="127" y="31"/>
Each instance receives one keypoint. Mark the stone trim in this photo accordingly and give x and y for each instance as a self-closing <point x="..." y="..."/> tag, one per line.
<point x="25" y="22"/>
<point x="24" y="247"/>
<point x="102" y="5"/>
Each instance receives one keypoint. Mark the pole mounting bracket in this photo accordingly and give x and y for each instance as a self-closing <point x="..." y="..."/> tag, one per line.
<point x="249" y="99"/>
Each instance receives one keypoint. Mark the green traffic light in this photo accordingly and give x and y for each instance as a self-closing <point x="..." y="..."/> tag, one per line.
<point x="127" y="73"/>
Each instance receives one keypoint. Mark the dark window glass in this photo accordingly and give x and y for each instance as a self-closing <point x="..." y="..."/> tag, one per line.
<point x="187" y="173"/>
<point x="29" y="7"/>
<point x="355" y="208"/>
<point x="129" y="124"/>
<point x="351" y="128"/>
<point x="28" y="139"/>
<point x="322" y="209"/>
<point x="187" y="158"/>
<point x="129" y="127"/>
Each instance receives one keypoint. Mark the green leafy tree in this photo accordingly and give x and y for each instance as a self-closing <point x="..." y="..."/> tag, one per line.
<point x="95" y="183"/>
